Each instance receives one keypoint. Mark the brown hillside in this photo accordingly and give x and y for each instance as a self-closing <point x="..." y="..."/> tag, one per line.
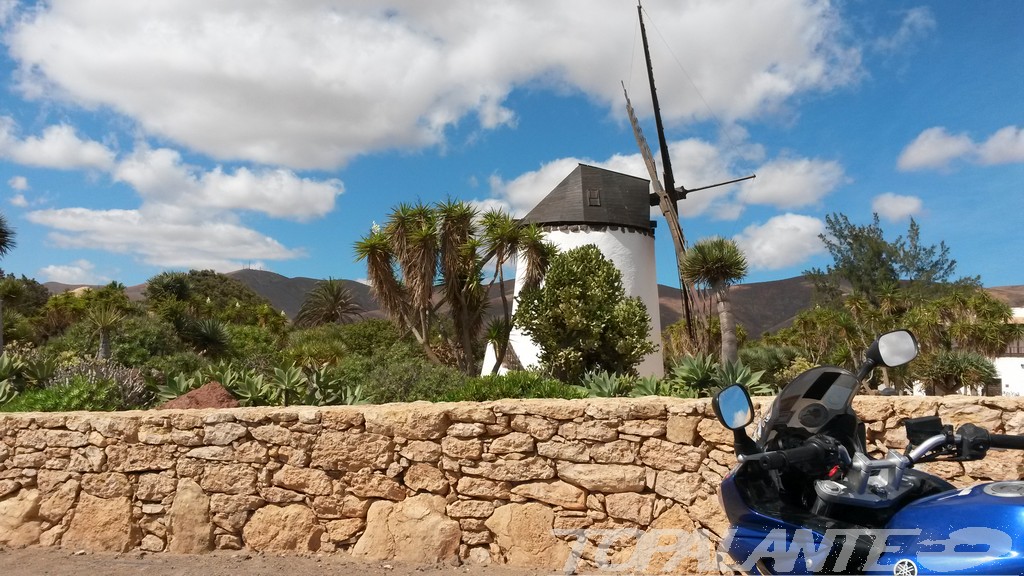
<point x="759" y="306"/>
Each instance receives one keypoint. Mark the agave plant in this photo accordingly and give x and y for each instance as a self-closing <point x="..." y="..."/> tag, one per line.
<point x="288" y="385"/>
<point x="39" y="371"/>
<point x="651" y="386"/>
<point x="693" y="376"/>
<point x="352" y="395"/>
<point x="7" y="391"/>
<point x="252" y="390"/>
<point x="737" y="373"/>
<point x="179" y="385"/>
<point x="604" y="384"/>
<point x="10" y="366"/>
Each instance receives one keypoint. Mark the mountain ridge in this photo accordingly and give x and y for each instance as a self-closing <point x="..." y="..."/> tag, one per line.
<point x="759" y="306"/>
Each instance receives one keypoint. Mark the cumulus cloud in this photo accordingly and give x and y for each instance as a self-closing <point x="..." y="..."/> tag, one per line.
<point x="782" y="241"/>
<point x="220" y="245"/>
<point x="894" y="207"/>
<point x="78" y="272"/>
<point x="937" y="149"/>
<point x="792" y="182"/>
<point x="19" y="183"/>
<point x="934" y="148"/>
<point x="57" y="147"/>
<point x="187" y="216"/>
<point x="917" y="23"/>
<point x="160" y="176"/>
<point x="313" y="84"/>
<point x="1004" y="147"/>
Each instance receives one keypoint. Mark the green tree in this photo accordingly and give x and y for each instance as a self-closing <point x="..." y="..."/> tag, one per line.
<point x="442" y="246"/>
<point x="870" y="264"/>
<point x="330" y="302"/>
<point x="581" y="318"/>
<point x="715" y="264"/>
<point x="105" y="318"/>
<point x="510" y="241"/>
<point x="7" y="244"/>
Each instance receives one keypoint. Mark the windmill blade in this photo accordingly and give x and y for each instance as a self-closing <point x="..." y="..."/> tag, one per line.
<point x="645" y="150"/>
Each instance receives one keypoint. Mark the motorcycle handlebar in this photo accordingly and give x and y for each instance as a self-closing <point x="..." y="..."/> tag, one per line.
<point x="1006" y="441"/>
<point x="778" y="459"/>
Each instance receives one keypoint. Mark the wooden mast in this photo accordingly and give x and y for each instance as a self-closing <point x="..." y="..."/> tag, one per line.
<point x="667" y="196"/>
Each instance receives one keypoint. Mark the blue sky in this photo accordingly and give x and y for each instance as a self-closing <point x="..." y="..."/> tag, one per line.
<point x="137" y="137"/>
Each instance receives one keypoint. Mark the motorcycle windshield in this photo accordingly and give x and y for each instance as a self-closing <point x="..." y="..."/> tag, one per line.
<point x="809" y="404"/>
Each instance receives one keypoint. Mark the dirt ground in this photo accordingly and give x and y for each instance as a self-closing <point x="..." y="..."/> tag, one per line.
<point x="55" y="561"/>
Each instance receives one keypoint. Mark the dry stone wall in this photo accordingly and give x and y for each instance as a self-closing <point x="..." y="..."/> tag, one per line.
<point x="429" y="483"/>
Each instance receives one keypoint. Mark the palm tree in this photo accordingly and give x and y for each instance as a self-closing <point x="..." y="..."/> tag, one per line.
<point x="461" y="267"/>
<point x="512" y="241"/>
<point x="104" y="317"/>
<point x="7" y="244"/>
<point x="330" y="302"/>
<point x="718" y="263"/>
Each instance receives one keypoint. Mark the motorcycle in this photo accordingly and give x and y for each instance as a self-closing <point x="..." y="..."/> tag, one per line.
<point x="806" y="498"/>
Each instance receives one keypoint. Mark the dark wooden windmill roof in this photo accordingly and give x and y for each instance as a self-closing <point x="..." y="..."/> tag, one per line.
<point x="596" y="196"/>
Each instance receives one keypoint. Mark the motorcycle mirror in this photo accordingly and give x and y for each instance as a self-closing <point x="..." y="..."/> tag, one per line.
<point x="733" y="407"/>
<point x="893" y="349"/>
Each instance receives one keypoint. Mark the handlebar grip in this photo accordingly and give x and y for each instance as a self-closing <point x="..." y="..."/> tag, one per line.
<point x="1006" y="441"/>
<point x="778" y="459"/>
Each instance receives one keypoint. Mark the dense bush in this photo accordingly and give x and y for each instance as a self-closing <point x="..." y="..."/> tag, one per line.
<point x="519" y="384"/>
<point x="582" y="319"/>
<point x="316" y="346"/>
<point x="80" y="393"/>
<point x="400" y="373"/>
<point x="253" y="346"/>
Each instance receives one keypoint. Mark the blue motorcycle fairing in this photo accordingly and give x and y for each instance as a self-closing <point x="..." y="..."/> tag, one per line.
<point x="756" y="528"/>
<point x="974" y="531"/>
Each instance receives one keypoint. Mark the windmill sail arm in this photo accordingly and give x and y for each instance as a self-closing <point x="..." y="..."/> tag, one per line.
<point x="660" y="196"/>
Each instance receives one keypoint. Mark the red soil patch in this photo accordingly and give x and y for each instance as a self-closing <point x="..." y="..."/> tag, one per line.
<point x="209" y="395"/>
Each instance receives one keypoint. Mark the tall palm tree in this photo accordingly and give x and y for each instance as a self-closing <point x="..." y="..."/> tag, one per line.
<point x="104" y="317"/>
<point x="330" y="302"/>
<point x="7" y="244"/>
<point x="461" y="267"/>
<point x="718" y="263"/>
<point x="512" y="241"/>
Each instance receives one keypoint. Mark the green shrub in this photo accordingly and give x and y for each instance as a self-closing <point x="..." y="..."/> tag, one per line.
<point x="519" y="384"/>
<point x="254" y="346"/>
<point x="368" y="337"/>
<point x="129" y="384"/>
<point x="316" y="346"/>
<point x="604" y="384"/>
<point x="80" y="393"/>
<point x="400" y="373"/>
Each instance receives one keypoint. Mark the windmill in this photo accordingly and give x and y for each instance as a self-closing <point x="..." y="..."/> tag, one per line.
<point x="666" y="196"/>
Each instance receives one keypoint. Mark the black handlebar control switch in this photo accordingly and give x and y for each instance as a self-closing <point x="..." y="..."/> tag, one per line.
<point x="921" y="429"/>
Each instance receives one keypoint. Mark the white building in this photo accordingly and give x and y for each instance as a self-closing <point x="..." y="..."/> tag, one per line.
<point x="612" y="211"/>
<point x="1010" y="366"/>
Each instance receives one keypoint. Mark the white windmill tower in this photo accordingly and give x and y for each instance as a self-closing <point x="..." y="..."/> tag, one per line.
<point x="612" y="211"/>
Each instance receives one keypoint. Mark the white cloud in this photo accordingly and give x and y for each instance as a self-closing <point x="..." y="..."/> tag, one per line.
<point x="782" y="241"/>
<point x="19" y="200"/>
<point x="218" y="244"/>
<point x="1004" y="147"/>
<point x="313" y="84"/>
<point x="934" y="148"/>
<point x="916" y="24"/>
<point x="160" y="176"/>
<point x="792" y="182"/>
<point x="78" y="272"/>
<point x="58" y="147"/>
<point x="894" y="207"/>
<point x="19" y="183"/>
